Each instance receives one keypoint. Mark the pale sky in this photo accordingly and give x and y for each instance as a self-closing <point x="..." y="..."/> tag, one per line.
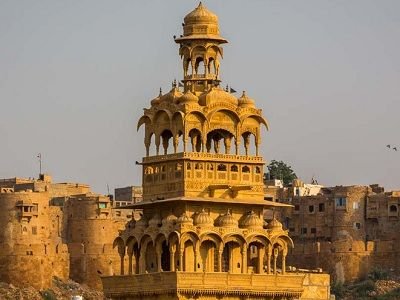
<point x="75" y="76"/>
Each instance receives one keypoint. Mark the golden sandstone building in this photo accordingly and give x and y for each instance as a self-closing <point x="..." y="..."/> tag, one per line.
<point x="202" y="234"/>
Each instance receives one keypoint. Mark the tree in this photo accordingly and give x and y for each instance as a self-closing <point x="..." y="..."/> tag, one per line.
<point x="281" y="171"/>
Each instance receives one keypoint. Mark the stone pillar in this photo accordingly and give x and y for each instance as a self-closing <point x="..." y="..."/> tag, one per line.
<point x="176" y="142"/>
<point x="130" y="264"/>
<point x="269" y="254"/>
<point x="276" y="252"/>
<point x="122" y="263"/>
<point x="158" y="254"/>
<point x="244" y="259"/>
<point x="220" y="260"/>
<point x="284" y="253"/>
<point x="227" y="144"/>
<point x="172" y="260"/>
<point x="157" y="140"/>
<point x="196" y="269"/>
<point x="261" y="253"/>
<point x="181" y="259"/>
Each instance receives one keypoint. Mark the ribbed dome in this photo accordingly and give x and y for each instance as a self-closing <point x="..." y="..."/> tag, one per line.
<point x="172" y="96"/>
<point x="252" y="221"/>
<point x="274" y="224"/>
<point x="200" y="15"/>
<point x="203" y="219"/>
<point x="184" y="220"/>
<point x="156" y="100"/>
<point x="170" y="220"/>
<point x="217" y="94"/>
<point x="155" y="221"/>
<point x="187" y="98"/>
<point x="226" y="220"/>
<point x="245" y="101"/>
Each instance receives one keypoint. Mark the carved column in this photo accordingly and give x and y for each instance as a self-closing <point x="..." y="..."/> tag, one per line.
<point x="165" y="143"/>
<point x="220" y="260"/>
<point x="244" y="259"/>
<point x="227" y="143"/>
<point x="284" y="253"/>
<point x="172" y="260"/>
<point x="269" y="254"/>
<point x="261" y="253"/>
<point x="158" y="254"/>
<point x="181" y="259"/>
<point x="246" y="143"/>
<point x="276" y="252"/>
<point x="130" y="263"/>
<point x="176" y="142"/>
<point x="157" y="141"/>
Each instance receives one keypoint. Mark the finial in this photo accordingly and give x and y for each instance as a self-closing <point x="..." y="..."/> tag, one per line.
<point x="160" y="94"/>
<point x="200" y="4"/>
<point x="244" y="94"/>
<point x="226" y="88"/>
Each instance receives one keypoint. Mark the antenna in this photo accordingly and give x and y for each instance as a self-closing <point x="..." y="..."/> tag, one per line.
<point x="39" y="156"/>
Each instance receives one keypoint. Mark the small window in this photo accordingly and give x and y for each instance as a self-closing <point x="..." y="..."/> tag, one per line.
<point x="163" y="168"/>
<point x="246" y="169"/>
<point x="304" y="230"/>
<point x="178" y="166"/>
<point x="357" y="225"/>
<point x="313" y="230"/>
<point x="198" y="166"/>
<point x="188" y="166"/>
<point x="102" y="205"/>
<point x="234" y="168"/>
<point x="311" y="209"/>
<point x="221" y="167"/>
<point x="291" y="229"/>
<point x="321" y="207"/>
<point x="34" y="230"/>
<point x="393" y="208"/>
<point x="258" y="170"/>
<point x="210" y="167"/>
<point x="297" y="207"/>
<point x="340" y="202"/>
<point x="356" y="205"/>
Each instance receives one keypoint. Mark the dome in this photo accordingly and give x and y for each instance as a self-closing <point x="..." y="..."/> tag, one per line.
<point x="156" y="100"/>
<point x="170" y="220"/>
<point x="226" y="220"/>
<point x="274" y="224"/>
<point x="171" y="96"/>
<point x="200" y="15"/>
<point x="245" y="101"/>
<point x="187" y="98"/>
<point x="155" y="221"/>
<point x="252" y="221"/>
<point x="203" y="219"/>
<point x="217" y="94"/>
<point x="184" y="220"/>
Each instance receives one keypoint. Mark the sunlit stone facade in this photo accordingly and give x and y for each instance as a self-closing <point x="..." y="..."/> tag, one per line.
<point x="202" y="234"/>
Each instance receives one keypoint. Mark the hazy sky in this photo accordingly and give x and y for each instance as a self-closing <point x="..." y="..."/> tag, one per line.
<point x="75" y="76"/>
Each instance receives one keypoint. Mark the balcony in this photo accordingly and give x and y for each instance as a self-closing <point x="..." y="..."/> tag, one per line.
<point x="191" y="283"/>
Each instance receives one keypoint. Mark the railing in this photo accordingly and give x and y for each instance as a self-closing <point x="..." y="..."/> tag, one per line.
<point x="204" y="155"/>
<point x="209" y="283"/>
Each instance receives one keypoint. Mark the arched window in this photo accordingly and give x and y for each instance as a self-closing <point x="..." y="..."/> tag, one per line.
<point x="393" y="208"/>
<point x="188" y="166"/>
<point x="198" y="166"/>
<point x="258" y="170"/>
<point x="234" y="168"/>
<point x="221" y="167"/>
<point x="210" y="167"/>
<point x="245" y="169"/>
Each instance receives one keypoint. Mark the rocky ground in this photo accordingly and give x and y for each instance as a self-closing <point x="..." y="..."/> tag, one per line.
<point x="374" y="288"/>
<point x="61" y="290"/>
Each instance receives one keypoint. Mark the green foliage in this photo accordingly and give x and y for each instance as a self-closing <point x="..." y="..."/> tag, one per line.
<point x="379" y="274"/>
<point x="48" y="295"/>
<point x="282" y="171"/>
<point x="338" y="289"/>
<point x="363" y="288"/>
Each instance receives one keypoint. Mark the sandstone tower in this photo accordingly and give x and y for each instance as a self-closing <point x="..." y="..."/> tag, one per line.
<point x="202" y="233"/>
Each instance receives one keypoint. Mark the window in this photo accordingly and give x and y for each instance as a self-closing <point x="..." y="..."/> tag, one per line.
<point x="234" y="168"/>
<point x="210" y="167"/>
<point x="258" y="170"/>
<point x="188" y="166"/>
<point x="357" y="225"/>
<point x="393" y="208"/>
<point x="340" y="202"/>
<point x="304" y="230"/>
<point x="102" y="205"/>
<point x="321" y="207"/>
<point x="246" y="169"/>
<point x="356" y="205"/>
<point x="198" y="166"/>
<point x="313" y="230"/>
<point x="297" y="207"/>
<point x="311" y="209"/>
<point x="34" y="230"/>
<point x="291" y="229"/>
<point x="221" y="167"/>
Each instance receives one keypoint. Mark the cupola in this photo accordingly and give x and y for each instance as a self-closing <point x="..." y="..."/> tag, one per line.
<point x="252" y="221"/>
<point x="203" y="219"/>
